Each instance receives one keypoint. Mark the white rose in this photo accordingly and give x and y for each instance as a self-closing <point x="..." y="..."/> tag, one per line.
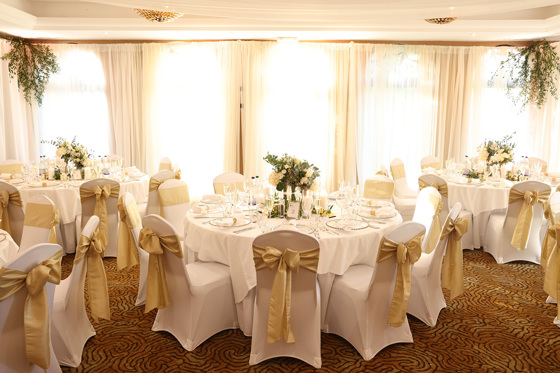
<point x="284" y="172"/>
<point x="286" y="166"/>
<point x="297" y="161"/>
<point x="304" y="180"/>
<point x="88" y="162"/>
<point x="60" y="152"/>
<point x="314" y="186"/>
<point x="308" y="173"/>
<point x="483" y="155"/>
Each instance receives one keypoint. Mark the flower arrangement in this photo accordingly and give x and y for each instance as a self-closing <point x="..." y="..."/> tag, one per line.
<point x="71" y="151"/>
<point x="291" y="171"/>
<point x="497" y="152"/>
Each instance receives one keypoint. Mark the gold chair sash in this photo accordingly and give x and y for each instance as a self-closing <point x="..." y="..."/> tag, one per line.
<point x="101" y="196"/>
<point x="42" y="216"/>
<point x="442" y="189"/>
<point x="285" y="263"/>
<point x="452" y="276"/>
<point x="435" y="165"/>
<point x="93" y="250"/>
<point x="407" y="253"/>
<point x="127" y="255"/>
<point x="36" y="322"/>
<point x="14" y="168"/>
<point x="157" y="294"/>
<point x="382" y="172"/>
<point x="398" y="171"/>
<point x="548" y="244"/>
<point x="6" y="199"/>
<point x="219" y="187"/>
<point x="379" y="189"/>
<point x="173" y="196"/>
<point x="552" y="273"/>
<point x="435" y="232"/>
<point x="155" y="183"/>
<point x="525" y="217"/>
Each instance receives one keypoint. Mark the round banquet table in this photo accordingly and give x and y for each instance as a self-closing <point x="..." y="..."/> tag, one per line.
<point x="67" y="201"/>
<point x="339" y="251"/>
<point x="8" y="248"/>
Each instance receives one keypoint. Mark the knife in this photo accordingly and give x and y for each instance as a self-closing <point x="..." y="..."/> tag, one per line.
<point x="243" y="230"/>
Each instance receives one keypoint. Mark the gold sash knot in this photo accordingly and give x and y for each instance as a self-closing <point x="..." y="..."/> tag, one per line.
<point x="101" y="196"/>
<point x="453" y="231"/>
<point x="548" y="243"/>
<point x="92" y="249"/>
<point x="381" y="172"/>
<point x="552" y="273"/>
<point x="36" y="322"/>
<point x="54" y="223"/>
<point x="6" y="199"/>
<point x="406" y="254"/>
<point x="442" y="189"/>
<point x="127" y="255"/>
<point x="157" y="294"/>
<point x="155" y="183"/>
<point x="285" y="263"/>
<point x="525" y="217"/>
<point x="435" y="232"/>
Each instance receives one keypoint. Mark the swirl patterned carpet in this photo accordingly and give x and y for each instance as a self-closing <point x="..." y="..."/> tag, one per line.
<point x="500" y="324"/>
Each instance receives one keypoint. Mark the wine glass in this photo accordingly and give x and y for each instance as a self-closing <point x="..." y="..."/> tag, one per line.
<point x="342" y="202"/>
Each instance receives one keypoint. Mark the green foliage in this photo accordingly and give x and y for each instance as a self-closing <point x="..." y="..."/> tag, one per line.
<point x="472" y="174"/>
<point x="533" y="70"/>
<point x="32" y="64"/>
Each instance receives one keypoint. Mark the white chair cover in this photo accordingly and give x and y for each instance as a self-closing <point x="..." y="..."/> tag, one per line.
<point x="542" y="162"/>
<point x="88" y="208"/>
<point x="34" y="235"/>
<point x="165" y="164"/>
<point x="200" y="294"/>
<point x="426" y="297"/>
<point x="11" y="166"/>
<point x="430" y="161"/>
<point x="175" y="202"/>
<point x="378" y="187"/>
<point x="71" y="327"/>
<point x="228" y="178"/>
<point x="15" y="212"/>
<point x="424" y="213"/>
<point x="305" y="315"/>
<point x="402" y="189"/>
<point x="153" y="205"/>
<point x="361" y="298"/>
<point x="12" y="335"/>
<point x="501" y="226"/>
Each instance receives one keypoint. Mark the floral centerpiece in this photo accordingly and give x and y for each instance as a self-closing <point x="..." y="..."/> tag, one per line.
<point x="71" y="151"/>
<point x="293" y="172"/>
<point x="497" y="152"/>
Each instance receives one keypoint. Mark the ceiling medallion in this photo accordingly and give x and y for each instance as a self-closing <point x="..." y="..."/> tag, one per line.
<point x="441" y="21"/>
<point x="157" y="16"/>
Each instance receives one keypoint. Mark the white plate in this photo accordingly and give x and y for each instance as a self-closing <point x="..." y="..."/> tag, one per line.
<point x="367" y="215"/>
<point x="375" y="203"/>
<point x="229" y="222"/>
<point x="347" y="225"/>
<point x="15" y="181"/>
<point x="305" y="228"/>
<point x="39" y="184"/>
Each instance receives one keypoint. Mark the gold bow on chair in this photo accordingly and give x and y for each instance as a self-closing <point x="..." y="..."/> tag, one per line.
<point x="36" y="321"/>
<point x="525" y="217"/>
<point x="453" y="231"/>
<point x="442" y="189"/>
<point x="155" y="183"/>
<point x="382" y="172"/>
<point x="435" y="232"/>
<point x="127" y="255"/>
<point x="407" y="253"/>
<point x="281" y="297"/>
<point x="157" y="294"/>
<point x="398" y="171"/>
<point x="42" y="216"/>
<point x="173" y="196"/>
<point x="552" y="273"/>
<point x="6" y="199"/>
<point x="377" y="189"/>
<point x="92" y="249"/>
<point x="548" y="244"/>
<point x="101" y="196"/>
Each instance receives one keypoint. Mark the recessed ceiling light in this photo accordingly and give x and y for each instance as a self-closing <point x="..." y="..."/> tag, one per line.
<point x="473" y="34"/>
<point x="106" y="33"/>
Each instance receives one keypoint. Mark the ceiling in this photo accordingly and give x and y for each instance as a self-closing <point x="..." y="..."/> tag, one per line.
<point x="398" y="20"/>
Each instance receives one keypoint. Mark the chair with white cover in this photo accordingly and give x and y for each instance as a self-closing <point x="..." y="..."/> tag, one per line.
<point x="515" y="234"/>
<point x="71" y="327"/>
<point x="194" y="301"/>
<point x="129" y="253"/>
<point x="367" y="305"/>
<point x="550" y="258"/>
<point x="175" y="201"/>
<point x="228" y="178"/>
<point x="153" y="204"/>
<point x="382" y="171"/>
<point x="441" y="185"/>
<point x="11" y="166"/>
<point x="402" y="189"/>
<point x="41" y="262"/>
<point x="426" y="296"/>
<point x="100" y="197"/>
<point x="430" y="161"/>
<point x="290" y="277"/>
<point x="39" y="224"/>
<point x="535" y="161"/>
<point x="428" y="209"/>
<point x="11" y="211"/>
<point x="379" y="187"/>
<point x="165" y="164"/>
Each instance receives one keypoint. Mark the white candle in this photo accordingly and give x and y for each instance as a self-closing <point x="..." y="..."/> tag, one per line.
<point x="51" y="173"/>
<point x="87" y="173"/>
<point x="307" y="203"/>
<point x="323" y="200"/>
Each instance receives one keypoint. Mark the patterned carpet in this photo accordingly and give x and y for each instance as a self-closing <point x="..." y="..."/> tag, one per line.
<point x="500" y="324"/>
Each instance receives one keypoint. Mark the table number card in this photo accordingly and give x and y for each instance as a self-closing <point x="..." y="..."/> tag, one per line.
<point x="293" y="210"/>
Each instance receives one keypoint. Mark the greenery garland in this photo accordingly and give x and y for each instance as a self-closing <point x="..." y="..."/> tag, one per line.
<point x="32" y="64"/>
<point x="533" y="70"/>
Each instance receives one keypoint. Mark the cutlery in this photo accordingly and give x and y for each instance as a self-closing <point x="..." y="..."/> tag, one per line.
<point x="244" y="230"/>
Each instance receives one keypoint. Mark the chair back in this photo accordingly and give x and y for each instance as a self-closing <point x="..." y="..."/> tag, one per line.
<point x="153" y="205"/>
<point x="379" y="187"/>
<point x="542" y="162"/>
<point x="402" y="189"/>
<point x="11" y="166"/>
<point x="228" y="178"/>
<point x="436" y="256"/>
<point x="554" y="203"/>
<point x="427" y="205"/>
<point x="165" y="164"/>
<point x="430" y="161"/>
<point x="15" y="213"/>
<point x="39" y="222"/>
<point x="431" y="179"/>
<point x="175" y="202"/>
<point x="12" y="335"/>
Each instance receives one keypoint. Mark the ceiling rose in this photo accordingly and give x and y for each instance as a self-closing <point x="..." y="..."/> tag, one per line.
<point x="158" y="16"/>
<point x="441" y="21"/>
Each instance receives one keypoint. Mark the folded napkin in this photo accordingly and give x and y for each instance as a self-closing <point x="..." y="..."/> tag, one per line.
<point x="5" y="176"/>
<point x="383" y="213"/>
<point x="131" y="169"/>
<point x="214" y="198"/>
<point x="504" y="183"/>
<point x="428" y="170"/>
<point x="199" y="208"/>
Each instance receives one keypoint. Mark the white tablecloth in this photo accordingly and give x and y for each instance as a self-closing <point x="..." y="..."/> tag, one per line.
<point x="338" y="253"/>
<point x="8" y="248"/>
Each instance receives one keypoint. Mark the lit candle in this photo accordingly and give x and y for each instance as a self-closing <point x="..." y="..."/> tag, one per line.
<point x="323" y="200"/>
<point x="307" y="203"/>
<point x="87" y="173"/>
<point x="51" y="173"/>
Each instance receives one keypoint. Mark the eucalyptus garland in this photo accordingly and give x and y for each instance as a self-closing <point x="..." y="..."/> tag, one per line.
<point x="532" y="72"/>
<point x="32" y="64"/>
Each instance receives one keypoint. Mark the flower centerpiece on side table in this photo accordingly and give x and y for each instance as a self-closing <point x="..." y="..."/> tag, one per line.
<point x="71" y="151"/>
<point x="496" y="153"/>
